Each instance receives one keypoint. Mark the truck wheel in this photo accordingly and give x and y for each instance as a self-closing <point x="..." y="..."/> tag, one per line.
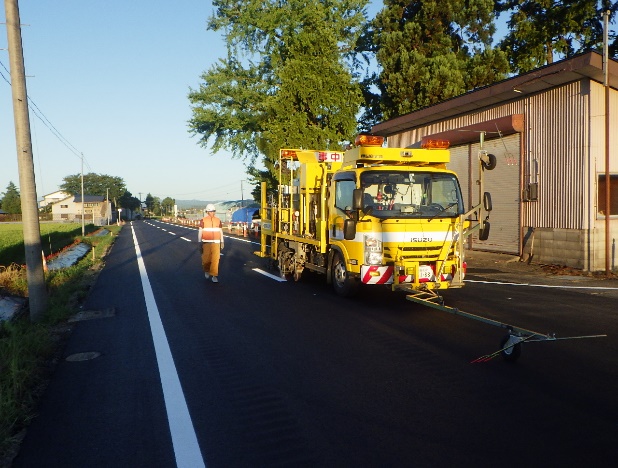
<point x="344" y="284"/>
<point x="286" y="264"/>
<point x="512" y="353"/>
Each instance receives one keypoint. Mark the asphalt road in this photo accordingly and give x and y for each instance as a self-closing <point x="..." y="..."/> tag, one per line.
<point x="255" y="372"/>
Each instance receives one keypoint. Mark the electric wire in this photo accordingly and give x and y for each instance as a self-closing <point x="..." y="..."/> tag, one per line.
<point x="53" y="130"/>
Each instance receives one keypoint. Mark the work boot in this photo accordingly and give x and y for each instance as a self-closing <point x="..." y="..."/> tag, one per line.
<point x="215" y="279"/>
<point x="207" y="275"/>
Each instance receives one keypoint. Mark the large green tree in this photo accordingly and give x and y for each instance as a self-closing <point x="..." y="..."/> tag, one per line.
<point x="127" y="200"/>
<point x="433" y="50"/>
<point x="167" y="205"/>
<point x="542" y="30"/>
<point x="149" y="202"/>
<point x="95" y="184"/>
<point x="11" y="200"/>
<point x="286" y="80"/>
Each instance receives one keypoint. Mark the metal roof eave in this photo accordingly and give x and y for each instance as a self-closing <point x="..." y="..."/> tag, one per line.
<point x="587" y="65"/>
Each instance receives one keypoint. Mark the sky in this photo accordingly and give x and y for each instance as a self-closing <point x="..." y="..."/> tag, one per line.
<point x="111" y="80"/>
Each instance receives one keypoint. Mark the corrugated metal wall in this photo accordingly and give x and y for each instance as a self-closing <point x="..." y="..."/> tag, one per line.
<point x="557" y="157"/>
<point x="562" y="154"/>
<point x="460" y="164"/>
<point x="503" y="185"/>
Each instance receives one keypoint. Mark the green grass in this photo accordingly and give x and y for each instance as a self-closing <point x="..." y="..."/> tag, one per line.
<point x="54" y="237"/>
<point x="27" y="350"/>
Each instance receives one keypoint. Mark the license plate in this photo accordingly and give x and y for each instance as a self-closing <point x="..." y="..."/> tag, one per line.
<point x="425" y="272"/>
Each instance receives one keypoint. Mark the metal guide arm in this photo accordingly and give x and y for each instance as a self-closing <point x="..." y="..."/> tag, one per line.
<point x="516" y="335"/>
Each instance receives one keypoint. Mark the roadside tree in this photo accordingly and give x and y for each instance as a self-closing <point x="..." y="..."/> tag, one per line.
<point x="287" y="80"/>
<point x="541" y="30"/>
<point x="128" y="201"/>
<point x="167" y="205"/>
<point x="430" y="51"/>
<point x="11" y="200"/>
<point x="95" y="184"/>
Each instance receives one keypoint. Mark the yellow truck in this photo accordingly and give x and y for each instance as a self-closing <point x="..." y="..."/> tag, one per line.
<point x="372" y="215"/>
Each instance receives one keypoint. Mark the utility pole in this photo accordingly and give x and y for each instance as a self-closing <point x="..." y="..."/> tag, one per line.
<point x="37" y="292"/>
<point x="83" y="203"/>
<point x="608" y="208"/>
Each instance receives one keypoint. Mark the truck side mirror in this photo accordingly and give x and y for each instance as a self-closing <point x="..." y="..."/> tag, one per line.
<point x="349" y="229"/>
<point x="357" y="199"/>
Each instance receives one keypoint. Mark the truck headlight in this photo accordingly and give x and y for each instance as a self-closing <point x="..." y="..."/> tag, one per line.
<point x="373" y="250"/>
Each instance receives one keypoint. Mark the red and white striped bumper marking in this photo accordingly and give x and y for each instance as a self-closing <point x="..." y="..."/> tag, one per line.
<point x="384" y="275"/>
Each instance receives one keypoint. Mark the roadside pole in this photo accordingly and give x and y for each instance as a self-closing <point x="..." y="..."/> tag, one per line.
<point x="37" y="293"/>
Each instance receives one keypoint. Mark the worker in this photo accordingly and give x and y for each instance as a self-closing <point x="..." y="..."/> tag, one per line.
<point x="210" y="237"/>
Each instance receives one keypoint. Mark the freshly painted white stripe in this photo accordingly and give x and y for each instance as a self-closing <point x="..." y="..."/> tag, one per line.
<point x="600" y="288"/>
<point x="184" y="238"/>
<point x="241" y="239"/>
<point x="172" y="233"/>
<point x="276" y="278"/>
<point x="184" y="440"/>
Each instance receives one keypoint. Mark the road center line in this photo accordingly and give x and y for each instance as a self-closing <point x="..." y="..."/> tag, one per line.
<point x="262" y="272"/>
<point x="184" y="440"/>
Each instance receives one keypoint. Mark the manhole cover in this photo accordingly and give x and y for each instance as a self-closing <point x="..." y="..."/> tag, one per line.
<point x="83" y="356"/>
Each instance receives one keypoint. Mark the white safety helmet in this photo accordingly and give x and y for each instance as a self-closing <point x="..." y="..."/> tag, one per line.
<point x="210" y="207"/>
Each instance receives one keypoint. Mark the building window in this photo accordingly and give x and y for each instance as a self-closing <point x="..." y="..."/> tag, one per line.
<point x="64" y="206"/>
<point x="613" y="193"/>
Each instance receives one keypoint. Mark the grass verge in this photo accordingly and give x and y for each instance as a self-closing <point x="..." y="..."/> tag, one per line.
<point x="29" y="351"/>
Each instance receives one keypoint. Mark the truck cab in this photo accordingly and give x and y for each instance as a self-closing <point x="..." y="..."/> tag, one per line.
<point x="371" y="216"/>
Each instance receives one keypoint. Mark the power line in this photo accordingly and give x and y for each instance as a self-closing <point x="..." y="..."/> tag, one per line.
<point x="54" y="131"/>
<point x="213" y="189"/>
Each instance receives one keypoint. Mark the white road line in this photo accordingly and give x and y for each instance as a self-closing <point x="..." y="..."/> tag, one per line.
<point x="184" y="238"/>
<point x="184" y="440"/>
<point x="241" y="239"/>
<point x="276" y="278"/>
<point x="172" y="233"/>
<point x="602" y="288"/>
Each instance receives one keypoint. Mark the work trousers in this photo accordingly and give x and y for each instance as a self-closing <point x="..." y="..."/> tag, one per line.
<point x="211" y="251"/>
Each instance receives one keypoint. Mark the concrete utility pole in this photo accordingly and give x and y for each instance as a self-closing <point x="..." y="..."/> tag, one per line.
<point x="83" y="202"/>
<point x="37" y="291"/>
<point x="608" y="181"/>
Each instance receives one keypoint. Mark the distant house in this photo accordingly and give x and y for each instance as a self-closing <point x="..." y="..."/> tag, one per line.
<point x="53" y="198"/>
<point x="95" y="209"/>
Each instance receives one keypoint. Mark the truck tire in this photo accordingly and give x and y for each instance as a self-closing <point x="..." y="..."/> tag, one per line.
<point x="344" y="284"/>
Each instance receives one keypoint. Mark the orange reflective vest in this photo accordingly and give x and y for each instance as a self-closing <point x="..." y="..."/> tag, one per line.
<point x="211" y="230"/>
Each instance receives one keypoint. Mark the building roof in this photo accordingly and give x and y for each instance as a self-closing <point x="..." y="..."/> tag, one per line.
<point x="587" y="65"/>
<point x="89" y="198"/>
<point x="57" y="192"/>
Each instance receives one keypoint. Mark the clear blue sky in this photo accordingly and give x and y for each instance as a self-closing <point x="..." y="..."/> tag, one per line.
<point x="113" y="77"/>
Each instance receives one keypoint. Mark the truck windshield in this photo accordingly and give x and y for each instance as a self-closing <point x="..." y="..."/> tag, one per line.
<point x="399" y="194"/>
